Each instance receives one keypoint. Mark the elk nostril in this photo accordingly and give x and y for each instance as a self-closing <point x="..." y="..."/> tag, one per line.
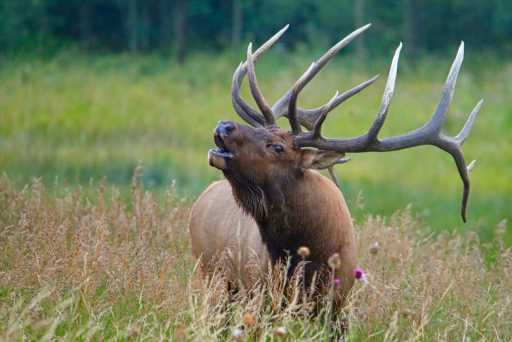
<point x="225" y="127"/>
<point x="229" y="127"/>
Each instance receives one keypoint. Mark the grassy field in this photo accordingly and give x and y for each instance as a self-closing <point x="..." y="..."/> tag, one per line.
<point x="99" y="267"/>
<point x="82" y="260"/>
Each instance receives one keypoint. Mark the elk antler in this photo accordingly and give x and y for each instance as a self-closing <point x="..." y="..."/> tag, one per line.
<point x="313" y="119"/>
<point x="428" y="134"/>
<point x="305" y="117"/>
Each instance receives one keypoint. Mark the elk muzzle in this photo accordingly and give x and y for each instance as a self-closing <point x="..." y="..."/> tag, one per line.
<point x="218" y="157"/>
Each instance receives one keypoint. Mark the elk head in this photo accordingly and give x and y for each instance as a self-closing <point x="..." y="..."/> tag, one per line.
<point x="261" y="153"/>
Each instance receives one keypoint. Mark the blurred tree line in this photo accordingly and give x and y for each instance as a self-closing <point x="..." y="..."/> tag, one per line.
<point x="179" y="27"/>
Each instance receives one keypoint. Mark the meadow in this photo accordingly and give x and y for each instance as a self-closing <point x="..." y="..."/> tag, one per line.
<point x="99" y="267"/>
<point x="89" y="253"/>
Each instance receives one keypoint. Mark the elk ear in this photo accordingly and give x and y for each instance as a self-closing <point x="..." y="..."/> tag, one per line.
<point x="319" y="159"/>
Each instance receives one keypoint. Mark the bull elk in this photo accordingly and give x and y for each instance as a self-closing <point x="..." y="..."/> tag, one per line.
<point x="273" y="200"/>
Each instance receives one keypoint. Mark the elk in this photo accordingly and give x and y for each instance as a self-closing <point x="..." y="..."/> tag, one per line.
<point x="273" y="200"/>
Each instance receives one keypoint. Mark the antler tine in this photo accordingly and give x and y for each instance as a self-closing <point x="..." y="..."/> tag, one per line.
<point x="449" y="88"/>
<point x="333" y="176"/>
<point x="313" y="119"/>
<point x="272" y="40"/>
<point x="317" y="129"/>
<point x="331" y="170"/>
<point x="308" y="117"/>
<point x="386" y="96"/>
<point x="464" y="132"/>
<point x="290" y="98"/>
<point x="428" y="134"/>
<point x="255" y="89"/>
<point x="471" y="166"/>
<point x="292" y="104"/>
<point x="245" y="111"/>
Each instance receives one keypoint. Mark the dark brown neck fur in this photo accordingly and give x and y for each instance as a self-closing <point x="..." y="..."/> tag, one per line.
<point x="277" y="210"/>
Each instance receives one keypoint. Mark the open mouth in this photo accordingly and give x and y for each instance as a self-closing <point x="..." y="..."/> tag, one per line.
<point x="221" y="150"/>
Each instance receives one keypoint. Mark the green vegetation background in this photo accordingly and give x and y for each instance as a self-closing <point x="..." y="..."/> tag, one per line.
<point x="76" y="118"/>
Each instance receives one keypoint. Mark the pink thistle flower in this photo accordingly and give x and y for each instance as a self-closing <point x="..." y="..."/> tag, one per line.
<point x="337" y="282"/>
<point x="360" y="275"/>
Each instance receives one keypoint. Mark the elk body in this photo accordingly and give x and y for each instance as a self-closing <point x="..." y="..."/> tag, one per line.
<point x="273" y="200"/>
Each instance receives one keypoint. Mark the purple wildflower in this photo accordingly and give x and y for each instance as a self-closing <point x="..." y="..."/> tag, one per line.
<point x="360" y="275"/>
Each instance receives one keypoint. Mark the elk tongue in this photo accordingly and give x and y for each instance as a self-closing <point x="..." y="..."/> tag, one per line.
<point x="218" y="158"/>
<point x="218" y="152"/>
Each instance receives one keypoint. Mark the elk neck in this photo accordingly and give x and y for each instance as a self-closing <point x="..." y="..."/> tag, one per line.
<point x="284" y="219"/>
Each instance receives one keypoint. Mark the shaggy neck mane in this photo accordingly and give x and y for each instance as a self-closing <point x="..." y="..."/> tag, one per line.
<point x="277" y="209"/>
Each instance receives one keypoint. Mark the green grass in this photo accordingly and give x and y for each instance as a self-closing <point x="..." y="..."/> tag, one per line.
<point x="76" y="118"/>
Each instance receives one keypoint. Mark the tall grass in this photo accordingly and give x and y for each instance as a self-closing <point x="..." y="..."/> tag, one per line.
<point x="89" y="265"/>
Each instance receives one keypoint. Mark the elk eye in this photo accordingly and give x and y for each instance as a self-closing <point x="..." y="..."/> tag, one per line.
<point x="278" y="148"/>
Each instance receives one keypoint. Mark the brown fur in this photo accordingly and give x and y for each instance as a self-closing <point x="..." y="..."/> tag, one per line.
<point x="220" y="229"/>
<point x="270" y="205"/>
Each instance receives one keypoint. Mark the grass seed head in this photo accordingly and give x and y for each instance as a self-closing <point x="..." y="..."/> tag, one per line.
<point x="374" y="248"/>
<point x="280" y="331"/>
<point x="334" y="261"/>
<point x="304" y="252"/>
<point x="248" y="319"/>
<point x="238" y="334"/>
